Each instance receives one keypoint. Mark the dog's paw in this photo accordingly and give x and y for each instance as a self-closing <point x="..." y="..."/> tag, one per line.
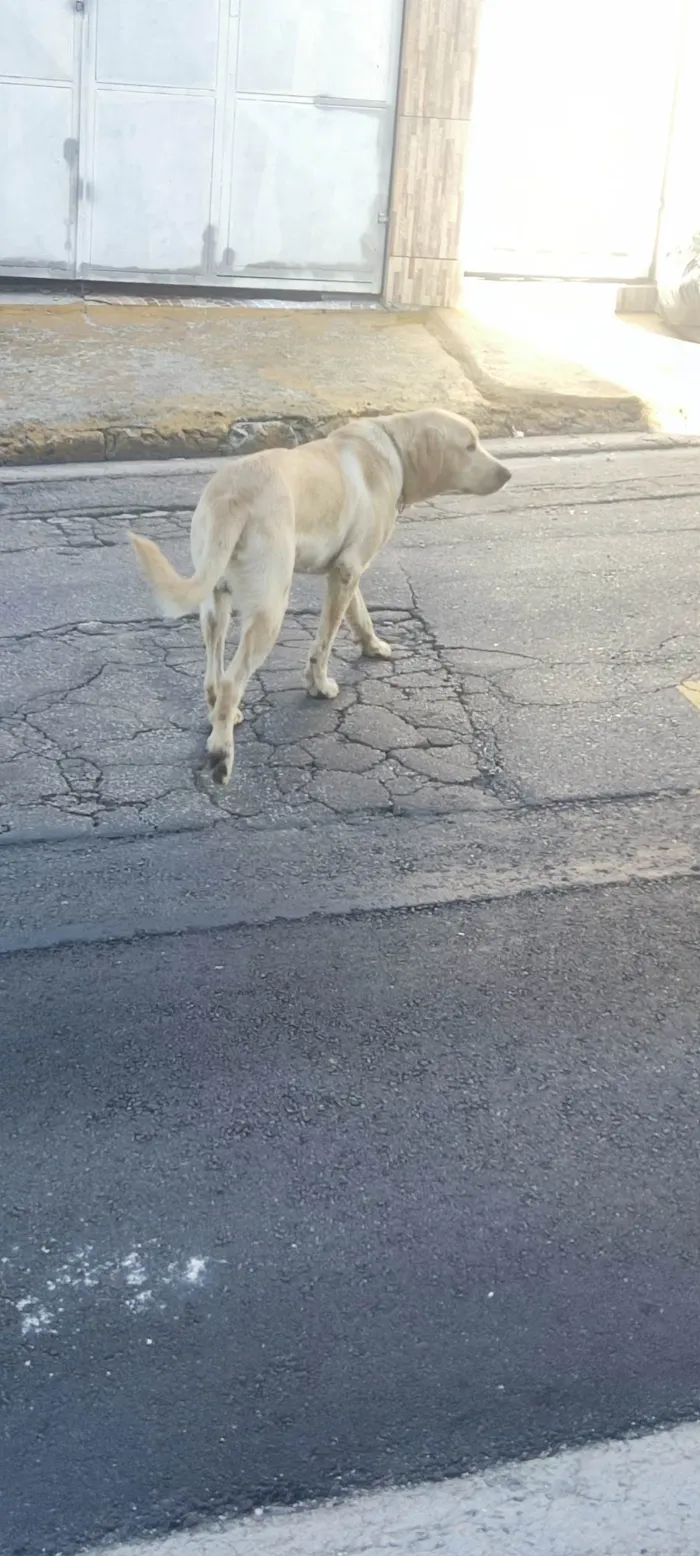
<point x="221" y="772"/>
<point x="221" y="766"/>
<point x="377" y="649"/>
<point x="325" y="688"/>
<point x="220" y="758"/>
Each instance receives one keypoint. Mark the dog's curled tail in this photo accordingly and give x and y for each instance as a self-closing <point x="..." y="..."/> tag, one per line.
<point x="177" y="595"/>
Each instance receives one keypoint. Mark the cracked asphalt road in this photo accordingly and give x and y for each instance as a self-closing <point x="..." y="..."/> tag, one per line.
<point x="539" y="642"/>
<point x="297" y="1075"/>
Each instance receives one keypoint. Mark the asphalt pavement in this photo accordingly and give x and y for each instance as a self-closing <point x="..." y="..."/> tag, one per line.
<point x="350" y="1117"/>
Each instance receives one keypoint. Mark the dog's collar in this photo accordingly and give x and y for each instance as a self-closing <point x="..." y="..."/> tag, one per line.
<point x="400" y="501"/>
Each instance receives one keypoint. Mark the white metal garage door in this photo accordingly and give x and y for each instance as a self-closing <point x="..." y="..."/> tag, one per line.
<point x="236" y="141"/>
<point x="569" y="135"/>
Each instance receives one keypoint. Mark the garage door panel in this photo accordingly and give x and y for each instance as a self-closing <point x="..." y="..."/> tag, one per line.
<point x="35" y="188"/>
<point x="340" y="48"/>
<point x="550" y="219"/>
<point x="149" y="139"/>
<point x="152" y="176"/>
<point x="305" y="191"/>
<point x="570" y="119"/>
<point x="36" y="39"/>
<point x="157" y="43"/>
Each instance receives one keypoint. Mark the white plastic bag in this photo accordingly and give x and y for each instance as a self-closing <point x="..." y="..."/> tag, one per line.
<point x="679" y="289"/>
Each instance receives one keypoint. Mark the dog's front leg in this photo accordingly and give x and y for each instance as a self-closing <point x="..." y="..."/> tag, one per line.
<point x="362" y="628"/>
<point x="341" y="584"/>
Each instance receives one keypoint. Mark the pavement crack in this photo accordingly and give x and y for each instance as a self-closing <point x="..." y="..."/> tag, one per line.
<point x="487" y="752"/>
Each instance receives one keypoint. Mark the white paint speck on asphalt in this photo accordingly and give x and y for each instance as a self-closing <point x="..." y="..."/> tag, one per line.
<point x="134" y="1272"/>
<point x="613" y="1499"/>
<point x="140" y="1279"/>
<point x="35" y="1318"/>
<point x="194" y="1270"/>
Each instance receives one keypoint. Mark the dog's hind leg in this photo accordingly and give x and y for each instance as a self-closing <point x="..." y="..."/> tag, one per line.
<point x="259" y="633"/>
<point x="362" y="628"/>
<point x="214" y="616"/>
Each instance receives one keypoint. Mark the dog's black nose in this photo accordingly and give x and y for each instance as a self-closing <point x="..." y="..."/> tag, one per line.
<point x="505" y="475"/>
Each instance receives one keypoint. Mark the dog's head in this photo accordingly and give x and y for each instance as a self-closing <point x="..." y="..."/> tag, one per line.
<point x="442" y="453"/>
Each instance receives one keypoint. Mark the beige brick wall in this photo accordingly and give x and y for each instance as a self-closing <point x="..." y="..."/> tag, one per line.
<point x="437" y="61"/>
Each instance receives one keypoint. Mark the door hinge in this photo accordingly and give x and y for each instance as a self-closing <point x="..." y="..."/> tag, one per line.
<point x="383" y="218"/>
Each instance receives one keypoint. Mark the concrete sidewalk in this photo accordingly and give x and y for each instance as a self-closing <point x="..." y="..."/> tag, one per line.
<point x="540" y="343"/>
<point x="122" y="377"/>
<point x="627" y="1498"/>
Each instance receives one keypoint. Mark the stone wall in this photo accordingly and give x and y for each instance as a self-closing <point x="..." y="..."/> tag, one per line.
<point x="435" y="86"/>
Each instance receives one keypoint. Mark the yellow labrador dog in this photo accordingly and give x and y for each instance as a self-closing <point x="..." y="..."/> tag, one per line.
<point x="325" y="507"/>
